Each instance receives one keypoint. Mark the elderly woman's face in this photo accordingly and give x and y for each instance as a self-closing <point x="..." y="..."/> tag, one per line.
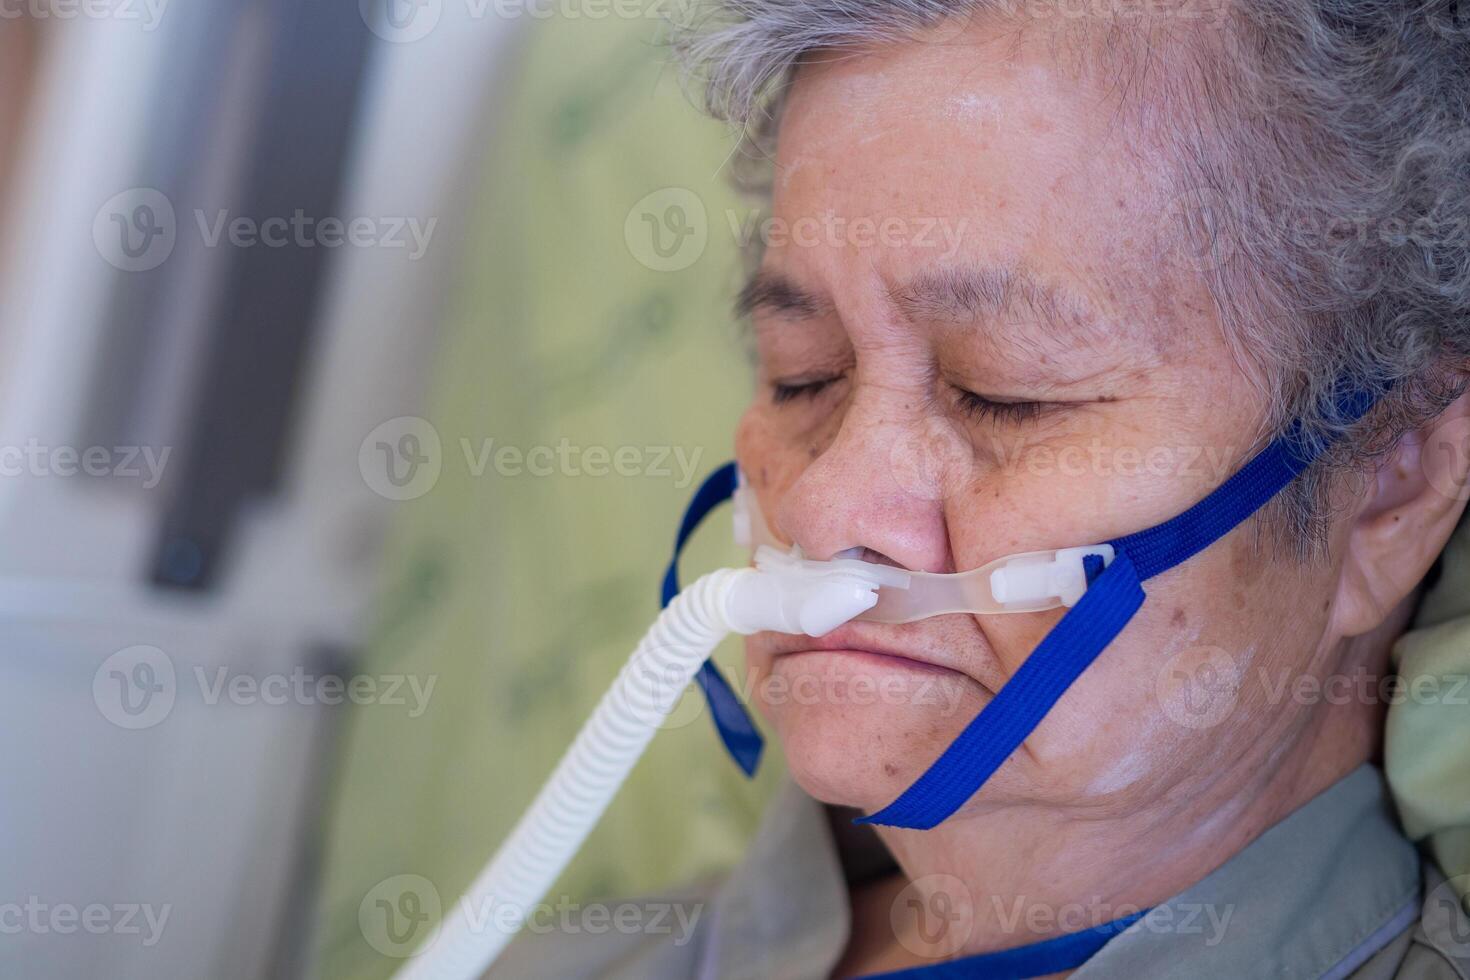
<point x="975" y="338"/>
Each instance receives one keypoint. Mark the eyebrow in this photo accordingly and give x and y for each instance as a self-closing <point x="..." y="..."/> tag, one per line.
<point x="957" y="294"/>
<point x="775" y="293"/>
<point x="966" y="293"/>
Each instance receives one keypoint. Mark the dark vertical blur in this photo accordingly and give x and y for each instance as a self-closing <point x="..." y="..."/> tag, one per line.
<point x="210" y="301"/>
<point x="262" y="319"/>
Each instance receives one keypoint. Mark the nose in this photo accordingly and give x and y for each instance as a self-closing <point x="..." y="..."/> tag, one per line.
<point x="880" y="485"/>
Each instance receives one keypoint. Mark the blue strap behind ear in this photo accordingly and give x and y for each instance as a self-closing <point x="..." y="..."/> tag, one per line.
<point x="732" y="721"/>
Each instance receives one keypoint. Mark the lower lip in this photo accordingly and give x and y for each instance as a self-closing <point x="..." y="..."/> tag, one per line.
<point x="885" y="660"/>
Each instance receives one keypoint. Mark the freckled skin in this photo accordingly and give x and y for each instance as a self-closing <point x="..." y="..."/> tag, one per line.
<point x="826" y="462"/>
<point x="1060" y="190"/>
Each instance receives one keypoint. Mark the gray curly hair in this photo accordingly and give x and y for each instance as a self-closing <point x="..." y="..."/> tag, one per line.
<point x="1328" y="165"/>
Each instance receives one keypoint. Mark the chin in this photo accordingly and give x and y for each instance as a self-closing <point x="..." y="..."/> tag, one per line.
<point x="857" y="731"/>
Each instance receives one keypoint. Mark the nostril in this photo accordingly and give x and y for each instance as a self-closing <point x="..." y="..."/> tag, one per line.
<point x="868" y="555"/>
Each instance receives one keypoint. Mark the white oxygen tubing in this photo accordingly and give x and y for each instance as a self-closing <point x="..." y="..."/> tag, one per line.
<point x="584" y="783"/>
<point x="550" y="833"/>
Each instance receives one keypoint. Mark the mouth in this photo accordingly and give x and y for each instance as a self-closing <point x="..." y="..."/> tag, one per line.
<point x="856" y="641"/>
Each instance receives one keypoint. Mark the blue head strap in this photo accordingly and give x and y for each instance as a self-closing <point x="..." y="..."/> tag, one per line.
<point x="1040" y="959"/>
<point x="1112" y="598"/>
<point x="732" y="721"/>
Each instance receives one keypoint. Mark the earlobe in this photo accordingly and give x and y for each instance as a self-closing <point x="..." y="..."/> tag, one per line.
<point x="1413" y="503"/>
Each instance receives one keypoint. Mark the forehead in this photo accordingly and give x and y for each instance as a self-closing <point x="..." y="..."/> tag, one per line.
<point x="1025" y="159"/>
<point x="980" y="96"/>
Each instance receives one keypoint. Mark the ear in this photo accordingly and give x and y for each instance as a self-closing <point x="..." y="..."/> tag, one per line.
<point x="1413" y="504"/>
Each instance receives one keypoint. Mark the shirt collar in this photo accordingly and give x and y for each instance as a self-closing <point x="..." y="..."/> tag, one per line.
<point x="1313" y="896"/>
<point x="783" y="912"/>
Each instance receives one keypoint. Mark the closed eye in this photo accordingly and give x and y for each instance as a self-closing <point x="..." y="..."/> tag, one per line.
<point x="786" y="391"/>
<point x="980" y="408"/>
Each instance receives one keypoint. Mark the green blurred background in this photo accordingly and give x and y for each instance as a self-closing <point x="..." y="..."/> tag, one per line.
<point x="524" y="595"/>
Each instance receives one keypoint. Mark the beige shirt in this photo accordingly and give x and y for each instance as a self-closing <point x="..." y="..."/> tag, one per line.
<point x="1335" y="890"/>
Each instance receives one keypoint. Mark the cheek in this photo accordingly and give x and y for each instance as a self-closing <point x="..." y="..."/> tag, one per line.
<point x="1194" y="681"/>
<point x="768" y="453"/>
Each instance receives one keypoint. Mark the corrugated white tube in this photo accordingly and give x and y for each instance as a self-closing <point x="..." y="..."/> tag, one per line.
<point x="550" y="833"/>
<point x="808" y="597"/>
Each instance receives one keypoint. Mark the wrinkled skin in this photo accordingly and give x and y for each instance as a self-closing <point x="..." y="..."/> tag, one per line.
<point x="1108" y="401"/>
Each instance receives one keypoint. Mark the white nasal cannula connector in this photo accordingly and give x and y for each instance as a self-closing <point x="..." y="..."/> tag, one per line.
<point x="1029" y="582"/>
<point x="784" y="592"/>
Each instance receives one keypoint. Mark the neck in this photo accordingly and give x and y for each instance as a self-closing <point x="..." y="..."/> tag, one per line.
<point x="1012" y="875"/>
<point x="1017" y="875"/>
